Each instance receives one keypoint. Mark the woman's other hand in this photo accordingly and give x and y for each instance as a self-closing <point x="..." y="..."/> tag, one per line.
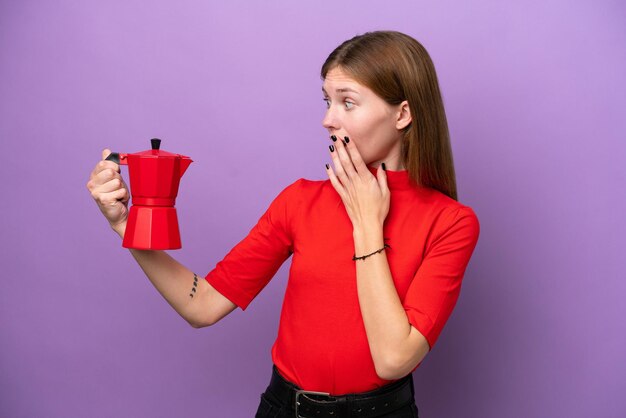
<point x="108" y="189"/>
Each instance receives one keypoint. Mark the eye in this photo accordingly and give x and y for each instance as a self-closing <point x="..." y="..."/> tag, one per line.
<point x="349" y="103"/>
<point x="327" y="100"/>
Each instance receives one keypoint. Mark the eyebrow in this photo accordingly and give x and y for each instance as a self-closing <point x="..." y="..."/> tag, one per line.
<point x="343" y="90"/>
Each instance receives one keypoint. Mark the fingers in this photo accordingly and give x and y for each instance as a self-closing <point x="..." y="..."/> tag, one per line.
<point x="106" y="163"/>
<point x="353" y="153"/>
<point x="95" y="178"/>
<point x="348" y="162"/>
<point x="99" y="168"/>
<point x="112" y="198"/>
<point x="335" y="181"/>
<point x="102" y="174"/>
<point x="343" y="167"/>
<point x="106" y="181"/>
<point x="381" y="176"/>
<point x="102" y="187"/>
<point x="111" y="185"/>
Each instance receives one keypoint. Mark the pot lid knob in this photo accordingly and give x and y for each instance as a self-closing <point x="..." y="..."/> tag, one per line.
<point x="156" y="143"/>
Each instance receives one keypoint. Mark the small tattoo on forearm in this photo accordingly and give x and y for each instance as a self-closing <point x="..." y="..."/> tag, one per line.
<point x="195" y="283"/>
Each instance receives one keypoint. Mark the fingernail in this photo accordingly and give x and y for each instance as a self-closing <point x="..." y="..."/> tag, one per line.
<point x="384" y="168"/>
<point x="327" y="167"/>
<point x="332" y="148"/>
<point x="347" y="139"/>
<point x="334" y="138"/>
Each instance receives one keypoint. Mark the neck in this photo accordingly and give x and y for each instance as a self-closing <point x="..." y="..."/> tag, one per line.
<point x="390" y="164"/>
<point x="396" y="179"/>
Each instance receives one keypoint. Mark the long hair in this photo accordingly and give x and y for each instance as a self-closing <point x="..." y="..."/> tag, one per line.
<point x="397" y="67"/>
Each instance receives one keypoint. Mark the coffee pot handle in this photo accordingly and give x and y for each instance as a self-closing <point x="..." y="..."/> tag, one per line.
<point x="118" y="158"/>
<point x="114" y="156"/>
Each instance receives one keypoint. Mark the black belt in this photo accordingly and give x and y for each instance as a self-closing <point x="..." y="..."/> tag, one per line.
<point x="308" y="404"/>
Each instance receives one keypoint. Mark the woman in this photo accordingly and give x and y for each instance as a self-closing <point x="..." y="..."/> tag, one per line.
<point x="379" y="249"/>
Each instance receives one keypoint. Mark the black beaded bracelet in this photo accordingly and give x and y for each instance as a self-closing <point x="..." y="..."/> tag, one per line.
<point x="354" y="258"/>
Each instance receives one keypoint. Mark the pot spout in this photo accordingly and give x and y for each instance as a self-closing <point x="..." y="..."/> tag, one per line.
<point x="184" y="164"/>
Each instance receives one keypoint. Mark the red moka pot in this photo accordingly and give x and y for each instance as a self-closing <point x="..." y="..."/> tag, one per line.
<point x="154" y="178"/>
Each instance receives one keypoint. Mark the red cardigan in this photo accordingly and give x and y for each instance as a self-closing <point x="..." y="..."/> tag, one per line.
<point x="322" y="344"/>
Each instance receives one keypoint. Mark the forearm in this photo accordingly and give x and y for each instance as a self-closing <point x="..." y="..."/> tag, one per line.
<point x="386" y="323"/>
<point x="172" y="280"/>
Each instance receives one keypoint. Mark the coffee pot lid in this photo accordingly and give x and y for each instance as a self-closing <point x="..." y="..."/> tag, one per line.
<point x="155" y="152"/>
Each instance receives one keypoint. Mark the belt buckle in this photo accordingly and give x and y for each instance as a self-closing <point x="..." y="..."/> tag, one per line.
<point x="300" y="392"/>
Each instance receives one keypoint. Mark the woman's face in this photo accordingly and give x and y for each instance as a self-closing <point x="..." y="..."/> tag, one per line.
<point x="355" y="111"/>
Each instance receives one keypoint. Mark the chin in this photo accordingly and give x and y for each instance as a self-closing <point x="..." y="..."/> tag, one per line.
<point x="370" y="161"/>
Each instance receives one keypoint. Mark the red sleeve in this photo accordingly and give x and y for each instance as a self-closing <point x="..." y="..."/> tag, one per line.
<point x="434" y="291"/>
<point x="252" y="263"/>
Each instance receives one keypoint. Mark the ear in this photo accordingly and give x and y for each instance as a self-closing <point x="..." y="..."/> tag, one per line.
<point x="404" y="115"/>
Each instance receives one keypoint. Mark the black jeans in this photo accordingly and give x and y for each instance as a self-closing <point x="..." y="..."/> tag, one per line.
<point x="272" y="407"/>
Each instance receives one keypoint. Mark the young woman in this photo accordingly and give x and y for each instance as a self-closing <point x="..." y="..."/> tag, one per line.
<point x="379" y="249"/>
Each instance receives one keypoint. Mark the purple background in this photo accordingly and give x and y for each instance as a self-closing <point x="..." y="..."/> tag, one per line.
<point x="535" y="98"/>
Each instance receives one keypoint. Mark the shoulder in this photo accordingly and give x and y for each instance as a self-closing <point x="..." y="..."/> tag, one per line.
<point x="450" y="216"/>
<point x="298" y="192"/>
<point x="297" y="189"/>
<point x="303" y="188"/>
<point x="446" y="207"/>
<point x="312" y="184"/>
<point x="458" y="223"/>
<point x="465" y="216"/>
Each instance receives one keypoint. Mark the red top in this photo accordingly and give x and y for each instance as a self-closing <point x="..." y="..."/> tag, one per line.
<point x="321" y="343"/>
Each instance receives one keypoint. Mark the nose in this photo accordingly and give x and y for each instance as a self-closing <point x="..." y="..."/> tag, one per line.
<point x="330" y="121"/>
